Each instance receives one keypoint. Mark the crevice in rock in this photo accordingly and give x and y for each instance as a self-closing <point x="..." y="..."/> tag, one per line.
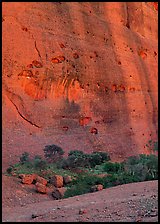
<point x="127" y="19"/>
<point x="35" y="44"/>
<point x="37" y="126"/>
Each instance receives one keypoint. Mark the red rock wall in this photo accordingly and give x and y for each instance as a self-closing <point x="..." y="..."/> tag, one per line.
<point x="82" y="75"/>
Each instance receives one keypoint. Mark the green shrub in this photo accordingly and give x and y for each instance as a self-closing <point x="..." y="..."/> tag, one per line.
<point x="152" y="145"/>
<point x="75" y="153"/>
<point x="151" y="162"/>
<point x="76" y="190"/>
<point x="144" y="167"/>
<point x="39" y="163"/>
<point x="53" y="153"/>
<point x="110" y="167"/>
<point x="82" y="185"/>
<point x="125" y="178"/>
<point x="76" y="161"/>
<point x="9" y="170"/>
<point x="78" y="158"/>
<point x="24" y="157"/>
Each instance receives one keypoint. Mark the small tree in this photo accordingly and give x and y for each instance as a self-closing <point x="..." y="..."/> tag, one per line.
<point x="53" y="153"/>
<point x="97" y="158"/>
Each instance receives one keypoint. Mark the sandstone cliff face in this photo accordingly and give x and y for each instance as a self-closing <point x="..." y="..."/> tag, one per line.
<point x="82" y="75"/>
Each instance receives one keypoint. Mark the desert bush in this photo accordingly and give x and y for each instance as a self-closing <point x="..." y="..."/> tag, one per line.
<point x="53" y="153"/>
<point x="143" y="167"/>
<point x="24" y="157"/>
<point x="75" y="161"/>
<point x="110" y="167"/>
<point x="152" y="145"/>
<point x="76" y="153"/>
<point x="82" y="185"/>
<point x="97" y="158"/>
<point x="78" y="158"/>
<point x="9" y="170"/>
<point x="39" y="163"/>
<point x="76" y="190"/>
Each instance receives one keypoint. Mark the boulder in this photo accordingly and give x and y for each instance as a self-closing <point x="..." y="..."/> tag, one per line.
<point x="41" y="188"/>
<point x="27" y="178"/>
<point x="58" y="193"/>
<point x="97" y="187"/>
<point x="82" y="211"/>
<point x="56" y="180"/>
<point x="41" y="180"/>
<point x="67" y="179"/>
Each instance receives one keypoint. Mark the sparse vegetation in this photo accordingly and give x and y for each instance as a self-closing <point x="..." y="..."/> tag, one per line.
<point x="53" y="153"/>
<point x="134" y="169"/>
<point x="152" y="145"/>
<point x="24" y="157"/>
<point x="9" y="170"/>
<point x="39" y="163"/>
<point x="80" y="159"/>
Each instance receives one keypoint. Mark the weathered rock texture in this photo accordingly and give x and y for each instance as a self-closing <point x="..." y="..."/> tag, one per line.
<point x="70" y="67"/>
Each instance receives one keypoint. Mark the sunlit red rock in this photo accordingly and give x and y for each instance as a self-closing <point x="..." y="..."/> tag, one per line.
<point x="88" y="67"/>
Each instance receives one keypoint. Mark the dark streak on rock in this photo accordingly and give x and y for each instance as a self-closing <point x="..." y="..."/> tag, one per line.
<point x="23" y="116"/>
<point x="37" y="49"/>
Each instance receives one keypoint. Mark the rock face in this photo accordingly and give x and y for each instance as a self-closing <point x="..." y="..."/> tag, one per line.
<point x="79" y="65"/>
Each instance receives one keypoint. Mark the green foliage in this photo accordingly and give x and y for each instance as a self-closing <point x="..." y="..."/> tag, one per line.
<point x="76" y="153"/>
<point x="53" y="153"/>
<point x="9" y="170"/>
<point x="78" y="158"/>
<point x="110" y="167"/>
<point x="82" y="185"/>
<point x="145" y="167"/>
<point x="39" y="163"/>
<point x="134" y="169"/>
<point x="76" y="190"/>
<point x="24" y="157"/>
<point x="152" y="146"/>
<point x="97" y="158"/>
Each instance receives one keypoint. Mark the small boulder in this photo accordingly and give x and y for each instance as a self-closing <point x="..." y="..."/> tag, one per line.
<point x="56" y="180"/>
<point x="27" y="178"/>
<point x="97" y="187"/>
<point x="82" y="211"/>
<point x="67" y="179"/>
<point x="58" y="193"/>
<point x="21" y="176"/>
<point x="41" y="188"/>
<point x="41" y="180"/>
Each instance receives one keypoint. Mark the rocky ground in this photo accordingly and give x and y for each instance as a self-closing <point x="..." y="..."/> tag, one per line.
<point x="135" y="202"/>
